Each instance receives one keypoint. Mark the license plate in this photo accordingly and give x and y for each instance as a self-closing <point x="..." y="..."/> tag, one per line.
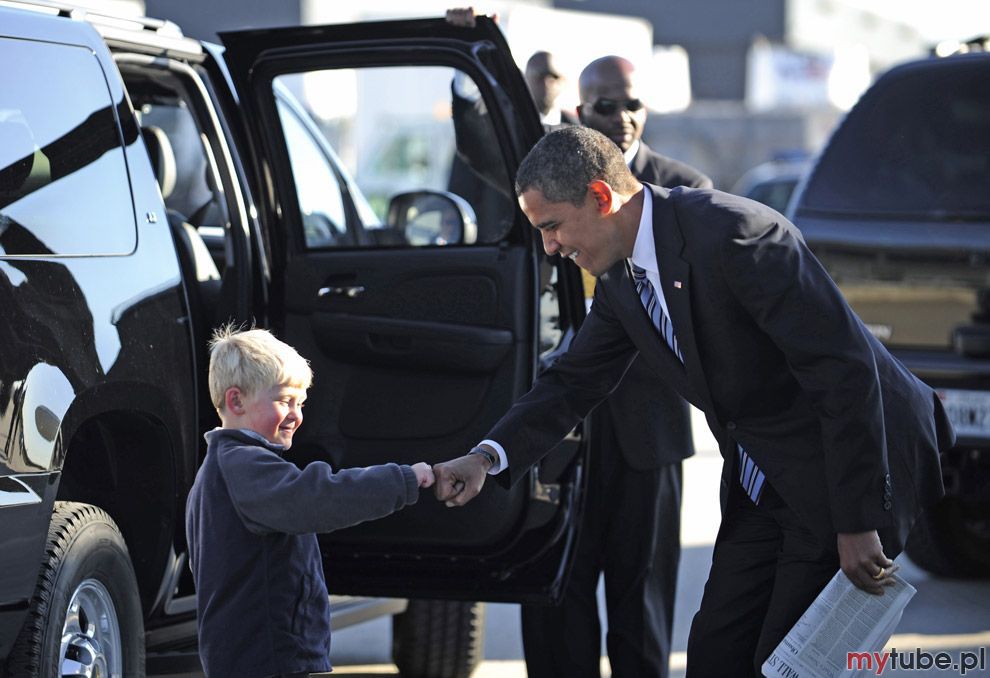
<point x="969" y="412"/>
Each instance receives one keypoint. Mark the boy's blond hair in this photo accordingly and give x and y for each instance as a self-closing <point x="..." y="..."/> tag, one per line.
<point x="253" y="360"/>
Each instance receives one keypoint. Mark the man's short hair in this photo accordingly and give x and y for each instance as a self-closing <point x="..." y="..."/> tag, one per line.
<point x="564" y="162"/>
<point x="253" y="360"/>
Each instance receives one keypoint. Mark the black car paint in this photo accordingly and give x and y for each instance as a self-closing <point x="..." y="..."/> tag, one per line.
<point x="906" y="236"/>
<point x="118" y="348"/>
<point x="109" y="345"/>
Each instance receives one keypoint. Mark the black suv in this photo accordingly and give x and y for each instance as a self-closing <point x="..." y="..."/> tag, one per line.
<point x="152" y="187"/>
<point x="898" y="209"/>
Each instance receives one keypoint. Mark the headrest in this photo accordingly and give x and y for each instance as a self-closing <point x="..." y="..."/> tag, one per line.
<point x="162" y="157"/>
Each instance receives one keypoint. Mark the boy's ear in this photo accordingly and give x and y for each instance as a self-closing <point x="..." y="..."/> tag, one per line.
<point x="233" y="400"/>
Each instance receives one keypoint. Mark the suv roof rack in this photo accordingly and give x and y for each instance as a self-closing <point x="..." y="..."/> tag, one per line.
<point x="131" y="30"/>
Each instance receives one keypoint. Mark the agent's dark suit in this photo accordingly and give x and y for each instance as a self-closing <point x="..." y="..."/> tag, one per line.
<point x="847" y="437"/>
<point x="631" y="523"/>
<point x="652" y="168"/>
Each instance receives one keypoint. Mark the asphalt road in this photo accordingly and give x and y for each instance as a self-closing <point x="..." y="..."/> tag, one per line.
<point x="944" y="616"/>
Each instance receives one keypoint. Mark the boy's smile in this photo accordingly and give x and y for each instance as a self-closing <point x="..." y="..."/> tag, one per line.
<point x="274" y="413"/>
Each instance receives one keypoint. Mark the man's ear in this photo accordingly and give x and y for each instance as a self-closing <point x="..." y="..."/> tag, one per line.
<point x="602" y="194"/>
<point x="233" y="400"/>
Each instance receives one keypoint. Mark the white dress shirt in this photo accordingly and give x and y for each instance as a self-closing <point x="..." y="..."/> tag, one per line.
<point x="630" y="154"/>
<point x="645" y="252"/>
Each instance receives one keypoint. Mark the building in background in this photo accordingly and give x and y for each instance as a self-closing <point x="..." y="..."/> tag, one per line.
<point x="718" y="35"/>
<point x="736" y="82"/>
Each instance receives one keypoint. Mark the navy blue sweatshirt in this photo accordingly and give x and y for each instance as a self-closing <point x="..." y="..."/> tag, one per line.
<point x="251" y="520"/>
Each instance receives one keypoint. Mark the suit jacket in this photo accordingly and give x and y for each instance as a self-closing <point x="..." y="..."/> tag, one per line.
<point x="775" y="359"/>
<point x="652" y="168"/>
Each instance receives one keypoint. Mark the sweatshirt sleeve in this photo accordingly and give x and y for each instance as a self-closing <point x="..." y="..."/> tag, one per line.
<point x="274" y="495"/>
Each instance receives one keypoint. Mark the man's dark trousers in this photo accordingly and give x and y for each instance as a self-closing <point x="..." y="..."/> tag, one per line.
<point x="767" y="568"/>
<point x="630" y="532"/>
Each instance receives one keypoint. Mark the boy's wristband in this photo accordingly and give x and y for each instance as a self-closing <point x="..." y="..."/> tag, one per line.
<point x="492" y="459"/>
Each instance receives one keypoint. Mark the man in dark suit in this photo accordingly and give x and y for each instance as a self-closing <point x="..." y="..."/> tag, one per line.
<point x="830" y="445"/>
<point x="476" y="172"/>
<point x="545" y="82"/>
<point x="631" y="523"/>
<point x="611" y="105"/>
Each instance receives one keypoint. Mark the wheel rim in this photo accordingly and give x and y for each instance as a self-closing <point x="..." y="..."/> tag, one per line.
<point x="91" y="644"/>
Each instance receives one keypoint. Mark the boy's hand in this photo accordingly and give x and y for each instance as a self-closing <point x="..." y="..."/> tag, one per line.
<point x="460" y="480"/>
<point x="424" y="474"/>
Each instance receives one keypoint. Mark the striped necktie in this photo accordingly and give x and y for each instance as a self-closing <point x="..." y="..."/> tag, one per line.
<point x="648" y="296"/>
<point x="750" y="476"/>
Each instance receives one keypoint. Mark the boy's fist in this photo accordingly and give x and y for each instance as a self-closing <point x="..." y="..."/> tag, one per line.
<point x="424" y="474"/>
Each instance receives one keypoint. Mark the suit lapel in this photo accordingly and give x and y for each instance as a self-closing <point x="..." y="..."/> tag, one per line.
<point x="675" y="279"/>
<point x="638" y="166"/>
<point x="627" y="306"/>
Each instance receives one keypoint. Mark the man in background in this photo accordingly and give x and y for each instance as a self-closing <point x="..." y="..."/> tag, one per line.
<point x="545" y="83"/>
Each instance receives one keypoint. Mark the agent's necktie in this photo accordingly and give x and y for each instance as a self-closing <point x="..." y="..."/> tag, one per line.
<point x="750" y="476"/>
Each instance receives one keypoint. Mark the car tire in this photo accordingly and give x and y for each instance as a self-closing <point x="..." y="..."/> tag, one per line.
<point x="86" y="610"/>
<point x="951" y="539"/>
<point x="438" y="639"/>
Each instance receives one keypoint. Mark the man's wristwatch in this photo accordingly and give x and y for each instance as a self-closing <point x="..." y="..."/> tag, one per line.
<point x="492" y="459"/>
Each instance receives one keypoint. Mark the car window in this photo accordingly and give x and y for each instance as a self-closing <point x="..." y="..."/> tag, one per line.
<point x="774" y="193"/>
<point x="64" y="187"/>
<point x="917" y="143"/>
<point x="195" y="193"/>
<point x="317" y="185"/>
<point x="368" y="136"/>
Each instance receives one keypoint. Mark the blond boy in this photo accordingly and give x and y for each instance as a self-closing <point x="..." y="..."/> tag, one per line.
<point x="252" y="517"/>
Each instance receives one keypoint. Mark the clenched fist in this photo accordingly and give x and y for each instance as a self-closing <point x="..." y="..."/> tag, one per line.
<point x="459" y="480"/>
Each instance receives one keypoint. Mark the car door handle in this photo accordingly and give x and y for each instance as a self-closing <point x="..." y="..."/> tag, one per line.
<point x="350" y="291"/>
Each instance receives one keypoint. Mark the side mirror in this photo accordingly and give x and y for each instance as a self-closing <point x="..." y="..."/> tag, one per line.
<point x="433" y="218"/>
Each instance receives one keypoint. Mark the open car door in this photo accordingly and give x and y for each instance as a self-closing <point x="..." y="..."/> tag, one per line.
<point x="403" y="269"/>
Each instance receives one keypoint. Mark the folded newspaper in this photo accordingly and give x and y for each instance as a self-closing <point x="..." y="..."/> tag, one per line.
<point x="843" y="622"/>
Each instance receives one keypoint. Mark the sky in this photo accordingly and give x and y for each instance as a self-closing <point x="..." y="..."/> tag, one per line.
<point x="936" y="19"/>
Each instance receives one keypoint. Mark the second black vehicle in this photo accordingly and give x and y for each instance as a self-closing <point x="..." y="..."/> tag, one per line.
<point x="897" y="208"/>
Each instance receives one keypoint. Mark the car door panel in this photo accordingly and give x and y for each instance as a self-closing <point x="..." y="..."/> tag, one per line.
<point x="412" y="356"/>
<point x="432" y="346"/>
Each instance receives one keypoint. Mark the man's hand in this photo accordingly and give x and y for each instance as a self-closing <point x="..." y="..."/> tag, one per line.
<point x="462" y="17"/>
<point x="460" y="480"/>
<point x="424" y="474"/>
<point x="862" y="559"/>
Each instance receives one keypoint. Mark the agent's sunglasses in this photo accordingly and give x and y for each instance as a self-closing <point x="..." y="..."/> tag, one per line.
<point x="610" y="106"/>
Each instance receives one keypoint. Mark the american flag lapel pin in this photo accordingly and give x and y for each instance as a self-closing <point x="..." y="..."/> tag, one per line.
<point x="678" y="284"/>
